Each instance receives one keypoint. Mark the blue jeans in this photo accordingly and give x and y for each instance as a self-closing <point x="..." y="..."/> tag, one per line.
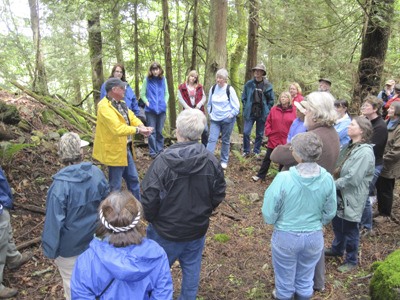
<point x="366" y="219"/>
<point x="130" y="175"/>
<point x="347" y="236"/>
<point x="294" y="256"/>
<point x="224" y="127"/>
<point x="156" y="139"/>
<point x="248" y="125"/>
<point x="189" y="256"/>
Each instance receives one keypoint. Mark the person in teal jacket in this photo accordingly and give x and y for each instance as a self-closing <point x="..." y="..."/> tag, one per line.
<point x="121" y="263"/>
<point x="354" y="172"/>
<point x="298" y="203"/>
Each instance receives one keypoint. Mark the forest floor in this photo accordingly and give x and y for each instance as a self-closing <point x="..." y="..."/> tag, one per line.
<point x="237" y="256"/>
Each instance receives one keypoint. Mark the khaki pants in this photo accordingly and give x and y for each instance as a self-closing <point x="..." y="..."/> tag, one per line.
<point x="8" y="251"/>
<point x="65" y="267"/>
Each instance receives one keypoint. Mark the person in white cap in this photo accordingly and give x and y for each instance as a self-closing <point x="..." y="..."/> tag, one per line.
<point x="71" y="207"/>
<point x="257" y="99"/>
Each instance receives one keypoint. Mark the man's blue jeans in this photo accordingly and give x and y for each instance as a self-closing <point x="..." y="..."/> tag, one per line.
<point x="294" y="256"/>
<point x="224" y="127"/>
<point x="347" y="237"/>
<point x="248" y="126"/>
<point x="130" y="175"/>
<point x="366" y="219"/>
<point x="189" y="256"/>
<point x="156" y="139"/>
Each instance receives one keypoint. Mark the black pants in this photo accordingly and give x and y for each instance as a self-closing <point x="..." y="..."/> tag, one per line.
<point x="266" y="163"/>
<point x="384" y="194"/>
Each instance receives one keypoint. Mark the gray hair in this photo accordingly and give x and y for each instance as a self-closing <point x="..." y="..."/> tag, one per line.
<point x="223" y="73"/>
<point x="366" y="128"/>
<point x="190" y="124"/>
<point x="307" y="145"/>
<point x="321" y="107"/>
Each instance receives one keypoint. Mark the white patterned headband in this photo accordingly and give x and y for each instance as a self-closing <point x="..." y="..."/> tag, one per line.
<point x="119" y="229"/>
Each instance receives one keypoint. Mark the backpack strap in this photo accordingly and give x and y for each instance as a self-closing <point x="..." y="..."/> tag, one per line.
<point x="108" y="285"/>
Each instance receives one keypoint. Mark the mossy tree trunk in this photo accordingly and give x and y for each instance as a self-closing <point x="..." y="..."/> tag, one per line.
<point x="252" y="38"/>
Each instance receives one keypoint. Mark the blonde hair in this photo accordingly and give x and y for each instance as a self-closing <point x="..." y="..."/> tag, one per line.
<point x="194" y="74"/>
<point x="297" y="86"/>
<point x="286" y="94"/>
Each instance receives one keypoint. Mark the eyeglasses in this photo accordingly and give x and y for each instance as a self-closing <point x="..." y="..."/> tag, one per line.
<point x="337" y="105"/>
<point x="118" y="72"/>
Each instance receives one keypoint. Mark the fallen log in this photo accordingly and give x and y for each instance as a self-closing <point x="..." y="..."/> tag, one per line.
<point x="29" y="243"/>
<point x="32" y="208"/>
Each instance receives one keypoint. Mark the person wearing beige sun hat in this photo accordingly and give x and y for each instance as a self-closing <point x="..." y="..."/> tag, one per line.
<point x="257" y="99"/>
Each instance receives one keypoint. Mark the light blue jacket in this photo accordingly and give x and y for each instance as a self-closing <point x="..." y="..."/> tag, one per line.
<point x="300" y="204"/>
<point x="5" y="191"/>
<point x="71" y="209"/>
<point x="139" y="272"/>
<point x="219" y="106"/>
<point x="296" y="127"/>
<point x="341" y="128"/>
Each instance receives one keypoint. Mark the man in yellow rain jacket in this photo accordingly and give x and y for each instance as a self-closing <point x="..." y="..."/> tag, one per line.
<point x="116" y="125"/>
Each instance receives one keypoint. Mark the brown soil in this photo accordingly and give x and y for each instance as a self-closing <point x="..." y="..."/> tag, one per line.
<point x="239" y="268"/>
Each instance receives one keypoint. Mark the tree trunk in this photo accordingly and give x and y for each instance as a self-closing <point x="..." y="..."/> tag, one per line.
<point x="168" y="65"/>
<point x="379" y="14"/>
<point x="252" y="39"/>
<point x="193" y="63"/>
<point x="237" y="55"/>
<point x="39" y="79"/>
<point x="216" y="52"/>
<point x="116" y="24"/>
<point x="95" y="50"/>
<point x="136" y="49"/>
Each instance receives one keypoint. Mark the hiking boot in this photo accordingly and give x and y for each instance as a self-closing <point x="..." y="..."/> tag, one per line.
<point x="25" y="257"/>
<point x="330" y="252"/>
<point x="8" y="293"/>
<point x="382" y="219"/>
<point x="365" y="232"/>
<point x="347" y="267"/>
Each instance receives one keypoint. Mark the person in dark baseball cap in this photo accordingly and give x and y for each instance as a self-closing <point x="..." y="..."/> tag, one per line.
<point x="324" y="85"/>
<point x="114" y="82"/>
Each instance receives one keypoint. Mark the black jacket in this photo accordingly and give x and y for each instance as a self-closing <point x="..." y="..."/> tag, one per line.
<point x="180" y="190"/>
<point x="379" y="139"/>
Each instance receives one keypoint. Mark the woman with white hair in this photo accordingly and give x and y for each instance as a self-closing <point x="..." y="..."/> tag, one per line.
<point x="223" y="107"/>
<point x="298" y="203"/>
<point x="320" y="116"/>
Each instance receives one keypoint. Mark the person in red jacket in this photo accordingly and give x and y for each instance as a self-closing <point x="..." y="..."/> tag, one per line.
<point x="191" y="95"/>
<point x="277" y="127"/>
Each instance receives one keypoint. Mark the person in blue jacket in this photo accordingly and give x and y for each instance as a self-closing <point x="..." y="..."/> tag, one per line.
<point x="71" y="207"/>
<point x="343" y="121"/>
<point x="118" y="71"/>
<point x="9" y="255"/>
<point x="154" y="93"/>
<point x="298" y="203"/>
<point x="121" y="263"/>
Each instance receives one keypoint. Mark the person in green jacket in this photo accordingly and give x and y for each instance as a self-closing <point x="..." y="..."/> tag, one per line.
<point x="354" y="171"/>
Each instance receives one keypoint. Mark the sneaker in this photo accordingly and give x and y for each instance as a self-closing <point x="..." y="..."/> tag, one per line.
<point x="347" y="267"/>
<point x="365" y="232"/>
<point x="8" y="293"/>
<point x="382" y="219"/>
<point x="26" y="256"/>
<point x="274" y="294"/>
<point x="329" y="252"/>
<point x="245" y="154"/>
<point x="255" y="178"/>
<point x="224" y="165"/>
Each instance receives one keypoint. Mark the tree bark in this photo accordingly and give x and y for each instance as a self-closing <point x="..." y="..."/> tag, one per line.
<point x="95" y="50"/>
<point x="379" y="14"/>
<point x="116" y="24"/>
<point x="217" y="31"/>
<point x="252" y="39"/>
<point x="39" y="79"/>
<point x="168" y="66"/>
<point x="136" y="48"/>
<point x="193" y="63"/>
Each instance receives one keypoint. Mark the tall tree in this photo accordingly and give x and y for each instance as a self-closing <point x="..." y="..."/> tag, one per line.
<point x="95" y="50"/>
<point x="168" y="65"/>
<point x="252" y="39"/>
<point x="136" y="46"/>
<point x="217" y="31"/>
<point x="116" y="25"/>
<point x="39" y="79"/>
<point x="379" y="14"/>
<point x="193" y="63"/>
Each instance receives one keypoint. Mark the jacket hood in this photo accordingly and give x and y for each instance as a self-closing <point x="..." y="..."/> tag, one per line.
<point x="75" y="173"/>
<point x="185" y="157"/>
<point x="312" y="183"/>
<point x="132" y="263"/>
